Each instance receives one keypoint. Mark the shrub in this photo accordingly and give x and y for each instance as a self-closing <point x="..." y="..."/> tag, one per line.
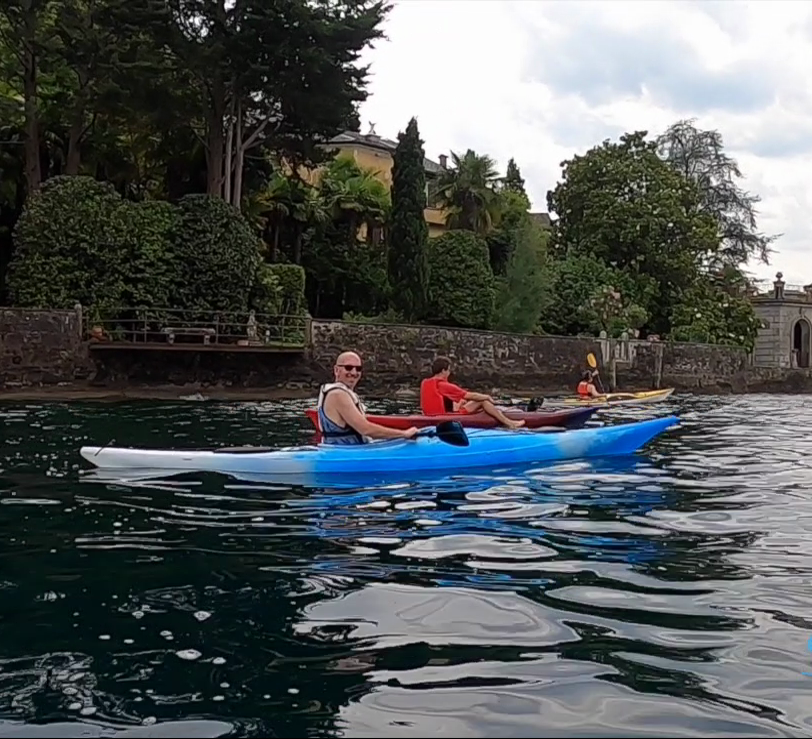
<point x="291" y="281"/>
<point x="216" y="257"/>
<point x="461" y="283"/>
<point x="70" y="246"/>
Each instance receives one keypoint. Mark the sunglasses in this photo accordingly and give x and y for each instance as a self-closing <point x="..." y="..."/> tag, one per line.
<point x="351" y="367"/>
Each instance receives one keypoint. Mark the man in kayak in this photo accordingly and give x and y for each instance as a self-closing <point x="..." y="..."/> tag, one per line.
<point x="586" y="387"/>
<point x="342" y="415"/>
<point x="438" y="396"/>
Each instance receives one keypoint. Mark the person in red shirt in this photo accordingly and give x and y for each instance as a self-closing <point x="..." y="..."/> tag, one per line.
<point x="438" y="396"/>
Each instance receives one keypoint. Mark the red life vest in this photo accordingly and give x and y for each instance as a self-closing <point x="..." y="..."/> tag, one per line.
<point x="583" y="389"/>
<point x="432" y="403"/>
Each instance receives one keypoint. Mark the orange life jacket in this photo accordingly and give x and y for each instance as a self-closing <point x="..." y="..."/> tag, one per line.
<point x="432" y="403"/>
<point x="583" y="389"/>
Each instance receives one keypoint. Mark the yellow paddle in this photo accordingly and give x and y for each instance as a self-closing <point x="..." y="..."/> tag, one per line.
<point x="592" y="362"/>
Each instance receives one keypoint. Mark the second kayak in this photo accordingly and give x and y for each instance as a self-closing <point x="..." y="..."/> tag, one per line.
<point x="641" y="397"/>
<point x="487" y="448"/>
<point x="565" y="417"/>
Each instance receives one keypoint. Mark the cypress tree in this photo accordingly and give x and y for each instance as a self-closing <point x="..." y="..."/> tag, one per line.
<point x="408" y="231"/>
<point x="513" y="178"/>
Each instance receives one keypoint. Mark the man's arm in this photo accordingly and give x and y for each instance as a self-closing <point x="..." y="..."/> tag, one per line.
<point x="349" y="413"/>
<point x="455" y="393"/>
<point x="481" y="397"/>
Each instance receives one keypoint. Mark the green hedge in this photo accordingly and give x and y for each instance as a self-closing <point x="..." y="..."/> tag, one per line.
<point x="77" y="240"/>
<point x="291" y="282"/>
<point x="461" y="283"/>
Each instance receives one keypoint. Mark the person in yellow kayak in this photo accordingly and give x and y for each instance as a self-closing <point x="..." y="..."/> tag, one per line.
<point x="586" y="387"/>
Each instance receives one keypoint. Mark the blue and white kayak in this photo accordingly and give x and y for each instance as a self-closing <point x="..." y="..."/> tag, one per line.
<point x="487" y="448"/>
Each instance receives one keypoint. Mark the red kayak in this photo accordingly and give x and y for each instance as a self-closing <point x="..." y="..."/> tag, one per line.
<point x="566" y="417"/>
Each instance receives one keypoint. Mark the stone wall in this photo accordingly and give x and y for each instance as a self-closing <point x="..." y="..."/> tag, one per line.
<point x="282" y="370"/>
<point x="45" y="348"/>
<point x="398" y="355"/>
<point x="41" y="347"/>
<point x="644" y="364"/>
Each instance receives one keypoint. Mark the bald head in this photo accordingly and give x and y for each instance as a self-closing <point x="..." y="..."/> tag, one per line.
<point x="348" y="368"/>
<point x="348" y="358"/>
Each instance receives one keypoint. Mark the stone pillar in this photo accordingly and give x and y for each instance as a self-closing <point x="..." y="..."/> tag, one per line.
<point x="80" y="321"/>
<point x="778" y="287"/>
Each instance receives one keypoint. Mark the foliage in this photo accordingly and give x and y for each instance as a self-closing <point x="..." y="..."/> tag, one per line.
<point x="467" y="192"/>
<point x="622" y="205"/>
<point x="700" y="157"/>
<point x="607" y="310"/>
<point x="74" y="244"/>
<point x="291" y="281"/>
<point x="513" y="182"/>
<point x="408" y="230"/>
<point x="389" y="316"/>
<point x="149" y="254"/>
<point x="524" y="292"/>
<point x="461" y="284"/>
<point x="216" y="256"/>
<point x="575" y="282"/>
<point x="343" y="254"/>
<point x="502" y="241"/>
<point x="266" y="292"/>
<point x="715" y="311"/>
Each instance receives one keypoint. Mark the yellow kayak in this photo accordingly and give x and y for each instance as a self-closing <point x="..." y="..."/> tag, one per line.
<point x="638" y="398"/>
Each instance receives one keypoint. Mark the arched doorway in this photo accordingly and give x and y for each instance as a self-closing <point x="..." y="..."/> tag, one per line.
<point x="801" y="333"/>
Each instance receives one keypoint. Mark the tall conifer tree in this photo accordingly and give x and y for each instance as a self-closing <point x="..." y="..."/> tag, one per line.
<point x="408" y="231"/>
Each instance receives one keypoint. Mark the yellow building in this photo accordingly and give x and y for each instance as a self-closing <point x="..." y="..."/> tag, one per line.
<point x="376" y="153"/>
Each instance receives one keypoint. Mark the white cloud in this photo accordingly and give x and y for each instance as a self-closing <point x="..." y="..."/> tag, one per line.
<point x="541" y="81"/>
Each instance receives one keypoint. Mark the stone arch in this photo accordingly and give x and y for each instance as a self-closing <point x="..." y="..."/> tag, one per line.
<point x="801" y="343"/>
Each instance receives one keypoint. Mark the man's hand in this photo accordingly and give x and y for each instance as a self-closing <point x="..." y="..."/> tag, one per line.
<point x="410" y="433"/>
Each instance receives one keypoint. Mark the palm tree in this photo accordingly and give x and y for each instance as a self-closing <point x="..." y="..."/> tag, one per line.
<point x="287" y="206"/>
<point x="467" y="192"/>
<point x="356" y="198"/>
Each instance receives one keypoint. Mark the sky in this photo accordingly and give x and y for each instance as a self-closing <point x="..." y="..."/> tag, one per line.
<point x="541" y="80"/>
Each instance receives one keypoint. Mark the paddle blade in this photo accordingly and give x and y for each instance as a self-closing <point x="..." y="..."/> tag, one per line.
<point x="591" y="361"/>
<point x="452" y="432"/>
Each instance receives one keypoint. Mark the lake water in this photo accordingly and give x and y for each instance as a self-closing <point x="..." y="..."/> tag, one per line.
<point x="664" y="594"/>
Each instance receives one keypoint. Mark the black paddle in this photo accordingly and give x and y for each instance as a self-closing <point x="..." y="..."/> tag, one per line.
<point x="450" y="432"/>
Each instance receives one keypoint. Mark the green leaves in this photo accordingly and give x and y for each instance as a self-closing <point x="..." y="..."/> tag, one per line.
<point x="525" y="291"/>
<point x="699" y="156"/>
<point x="621" y="205"/>
<point x="78" y="241"/>
<point x="467" y="192"/>
<point x="408" y="265"/>
<point x="461" y="284"/>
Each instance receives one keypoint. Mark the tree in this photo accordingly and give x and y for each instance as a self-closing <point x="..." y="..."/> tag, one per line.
<point x="343" y="254"/>
<point x="467" y="191"/>
<point x="622" y="205"/>
<point x="408" y="231"/>
<point x="21" y="34"/>
<point x="524" y="292"/>
<point x="461" y="284"/>
<point x="513" y="181"/>
<point x="716" y="311"/>
<point x="513" y="208"/>
<point x="281" y="75"/>
<point x="699" y="156"/>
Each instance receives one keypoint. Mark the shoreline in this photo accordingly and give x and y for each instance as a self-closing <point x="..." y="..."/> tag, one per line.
<point x="85" y="392"/>
<point x="156" y="392"/>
